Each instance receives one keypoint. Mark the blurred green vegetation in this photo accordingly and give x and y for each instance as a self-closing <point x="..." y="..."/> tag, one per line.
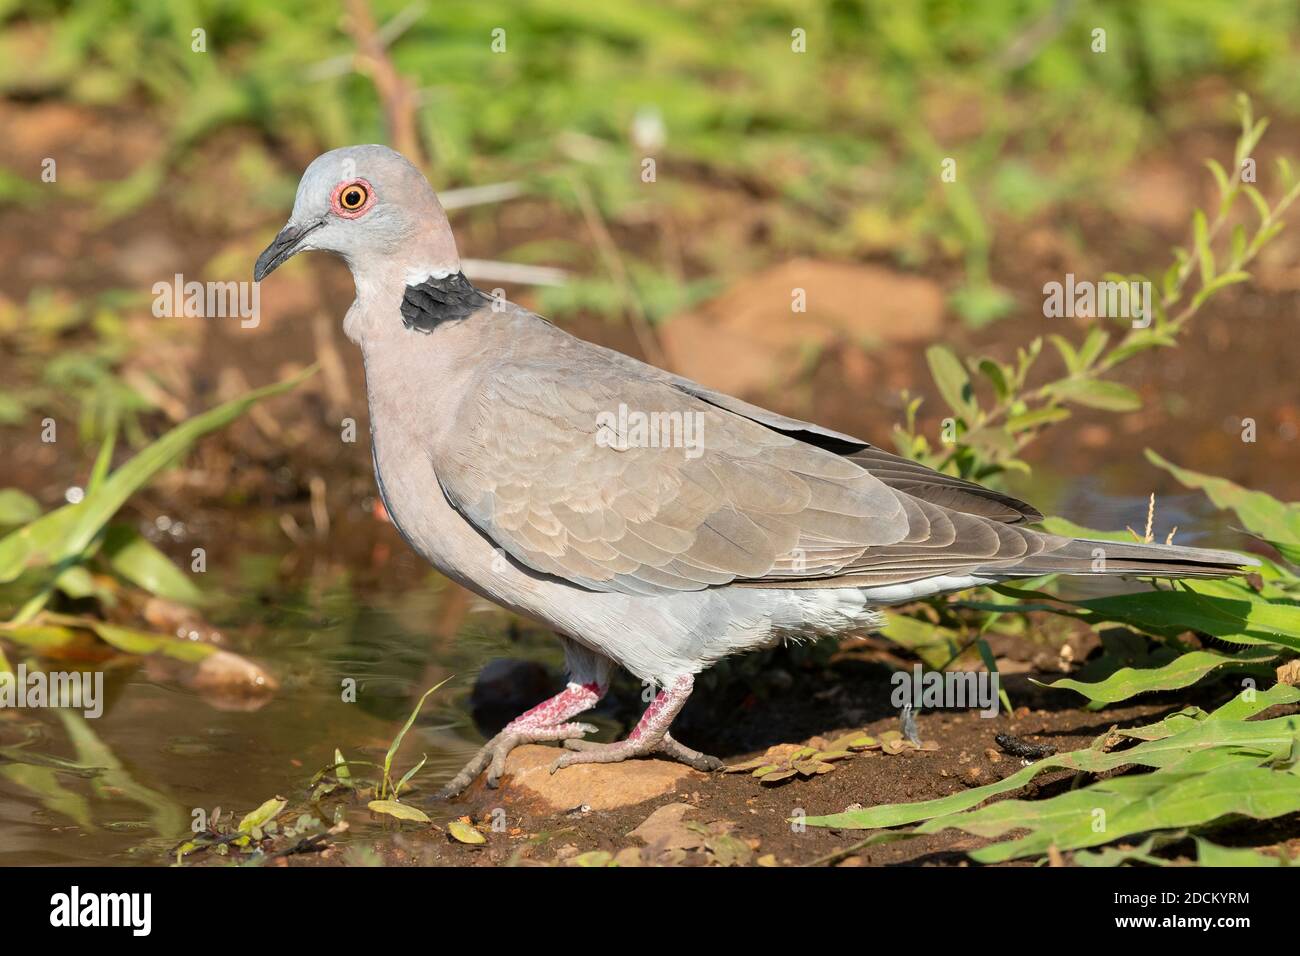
<point x="848" y="135"/>
<point x="833" y="152"/>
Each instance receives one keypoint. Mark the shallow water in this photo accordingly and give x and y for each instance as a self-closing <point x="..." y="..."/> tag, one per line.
<point x="160" y="751"/>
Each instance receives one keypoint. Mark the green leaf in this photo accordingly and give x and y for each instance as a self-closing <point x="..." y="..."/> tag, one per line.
<point x="1039" y="416"/>
<point x="991" y="663"/>
<point x="994" y="441"/>
<point x="131" y="641"/>
<point x="1119" y="856"/>
<point x="40" y="638"/>
<point x="1131" y="805"/>
<point x="403" y="811"/>
<point x="259" y="818"/>
<point x="1250" y="702"/>
<point x="1183" y="671"/>
<point x="1109" y="396"/>
<point x="1169" y="281"/>
<point x="76" y="582"/>
<point x="406" y="777"/>
<point x="997" y="375"/>
<point x="1219" y="282"/>
<point x="1259" y="512"/>
<point x="935" y="645"/>
<point x="952" y="380"/>
<point x="1258" y="201"/>
<point x="1204" y="254"/>
<point x="1068" y="355"/>
<point x="1270" y="739"/>
<point x="1222" y="609"/>
<point x="1210" y="854"/>
<point x="1287" y="549"/>
<point x="462" y="832"/>
<point x="1239" y="242"/>
<point x="132" y="556"/>
<point x="1138" y="341"/>
<point x="17" y="507"/>
<point x="1093" y="346"/>
<point x="103" y="460"/>
<point x="341" y="766"/>
<point x="1285" y="172"/>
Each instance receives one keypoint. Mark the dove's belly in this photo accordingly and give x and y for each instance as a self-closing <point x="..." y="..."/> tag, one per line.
<point x="654" y="637"/>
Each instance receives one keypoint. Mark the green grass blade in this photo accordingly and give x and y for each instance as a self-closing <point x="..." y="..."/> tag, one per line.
<point x="1182" y="671"/>
<point x="1270" y="738"/>
<point x="1211" y="854"/>
<point x="397" y="741"/>
<point x="103" y="460"/>
<point x="133" y="557"/>
<point x="1123" y="806"/>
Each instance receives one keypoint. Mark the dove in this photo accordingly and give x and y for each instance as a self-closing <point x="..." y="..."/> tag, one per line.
<point x="654" y="524"/>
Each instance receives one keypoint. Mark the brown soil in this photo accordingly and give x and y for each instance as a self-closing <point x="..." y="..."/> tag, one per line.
<point x="759" y="815"/>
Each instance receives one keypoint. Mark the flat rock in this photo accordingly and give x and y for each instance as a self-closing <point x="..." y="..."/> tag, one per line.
<point x="606" y="786"/>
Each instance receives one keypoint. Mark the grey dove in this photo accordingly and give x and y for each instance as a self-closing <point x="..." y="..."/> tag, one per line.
<point x="653" y="523"/>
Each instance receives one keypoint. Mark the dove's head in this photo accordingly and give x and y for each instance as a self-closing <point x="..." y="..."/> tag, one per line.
<point x="370" y="206"/>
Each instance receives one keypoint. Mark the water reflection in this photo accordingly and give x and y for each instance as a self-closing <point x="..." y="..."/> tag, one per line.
<point x="124" y="788"/>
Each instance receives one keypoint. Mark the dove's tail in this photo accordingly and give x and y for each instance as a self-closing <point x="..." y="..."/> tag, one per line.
<point x="1086" y="556"/>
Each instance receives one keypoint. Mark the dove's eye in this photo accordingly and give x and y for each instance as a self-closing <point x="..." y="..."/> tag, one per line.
<point x="351" y="199"/>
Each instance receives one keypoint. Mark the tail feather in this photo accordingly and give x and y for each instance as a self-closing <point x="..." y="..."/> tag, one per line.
<point x="1088" y="556"/>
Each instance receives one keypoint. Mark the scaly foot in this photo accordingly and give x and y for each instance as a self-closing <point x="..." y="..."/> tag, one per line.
<point x="493" y="754"/>
<point x="588" y="751"/>
<point x="649" y="737"/>
<point x="546" y="721"/>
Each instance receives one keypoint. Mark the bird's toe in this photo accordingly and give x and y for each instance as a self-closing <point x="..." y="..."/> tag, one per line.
<point x="586" y="751"/>
<point x="497" y="768"/>
<point x="669" y="747"/>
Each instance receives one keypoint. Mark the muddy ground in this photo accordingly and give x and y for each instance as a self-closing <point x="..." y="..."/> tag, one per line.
<point x="520" y="829"/>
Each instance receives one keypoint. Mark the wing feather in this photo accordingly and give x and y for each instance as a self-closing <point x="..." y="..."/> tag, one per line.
<point x="714" y="492"/>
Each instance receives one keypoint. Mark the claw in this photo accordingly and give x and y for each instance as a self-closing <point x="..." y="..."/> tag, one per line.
<point x="587" y="751"/>
<point x="493" y="754"/>
<point x="673" y="748"/>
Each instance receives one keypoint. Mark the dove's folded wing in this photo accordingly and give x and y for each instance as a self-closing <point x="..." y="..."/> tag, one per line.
<point x="559" y="477"/>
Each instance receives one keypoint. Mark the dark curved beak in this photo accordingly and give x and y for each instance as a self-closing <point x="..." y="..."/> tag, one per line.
<point x="282" y="248"/>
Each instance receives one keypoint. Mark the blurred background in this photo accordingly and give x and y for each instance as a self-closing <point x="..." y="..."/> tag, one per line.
<point x="773" y="169"/>
<point x="795" y="145"/>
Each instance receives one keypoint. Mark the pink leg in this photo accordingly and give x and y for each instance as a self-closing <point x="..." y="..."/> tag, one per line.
<point x="552" y="712"/>
<point x="547" y="721"/>
<point x="649" y="736"/>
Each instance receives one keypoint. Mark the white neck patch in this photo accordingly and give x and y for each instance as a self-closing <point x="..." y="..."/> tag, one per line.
<point x="414" y="275"/>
